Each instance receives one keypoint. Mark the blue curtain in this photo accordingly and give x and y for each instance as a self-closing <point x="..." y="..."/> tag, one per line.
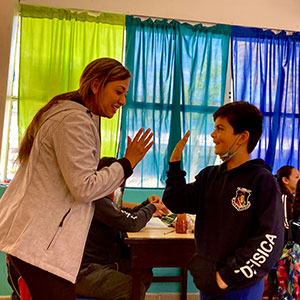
<point x="179" y="77"/>
<point x="266" y="72"/>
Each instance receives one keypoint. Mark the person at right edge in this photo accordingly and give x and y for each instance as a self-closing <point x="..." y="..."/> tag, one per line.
<point x="239" y="228"/>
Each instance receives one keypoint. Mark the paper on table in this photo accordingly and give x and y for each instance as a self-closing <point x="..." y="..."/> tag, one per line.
<point x="156" y="222"/>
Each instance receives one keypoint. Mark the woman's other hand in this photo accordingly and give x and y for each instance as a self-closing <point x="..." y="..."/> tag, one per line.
<point x="177" y="153"/>
<point x="139" y="146"/>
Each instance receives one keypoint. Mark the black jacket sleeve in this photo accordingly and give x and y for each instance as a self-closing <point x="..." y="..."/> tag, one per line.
<point x="125" y="163"/>
<point x="122" y="220"/>
<point x="136" y="208"/>
<point x="179" y="196"/>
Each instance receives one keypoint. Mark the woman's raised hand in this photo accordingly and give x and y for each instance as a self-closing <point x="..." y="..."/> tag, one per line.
<point x="139" y="146"/>
<point x="177" y="152"/>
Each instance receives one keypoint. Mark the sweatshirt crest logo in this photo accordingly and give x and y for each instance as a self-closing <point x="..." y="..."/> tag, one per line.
<point x="241" y="200"/>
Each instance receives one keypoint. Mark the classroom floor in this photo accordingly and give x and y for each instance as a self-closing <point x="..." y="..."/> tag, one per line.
<point x="161" y="297"/>
<point x="176" y="296"/>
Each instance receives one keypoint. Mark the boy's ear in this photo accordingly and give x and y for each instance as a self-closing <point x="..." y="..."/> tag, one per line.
<point x="244" y="137"/>
<point x="95" y="84"/>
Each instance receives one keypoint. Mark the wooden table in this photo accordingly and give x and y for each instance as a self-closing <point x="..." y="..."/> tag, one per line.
<point x="151" y="247"/>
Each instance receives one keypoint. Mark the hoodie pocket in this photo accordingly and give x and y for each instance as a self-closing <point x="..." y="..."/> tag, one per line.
<point x="204" y="275"/>
<point x="58" y="230"/>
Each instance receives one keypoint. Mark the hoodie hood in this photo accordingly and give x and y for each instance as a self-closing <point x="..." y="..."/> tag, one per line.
<point x="63" y="106"/>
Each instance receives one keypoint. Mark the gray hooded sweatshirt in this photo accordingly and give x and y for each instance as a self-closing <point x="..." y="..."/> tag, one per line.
<point x="46" y="211"/>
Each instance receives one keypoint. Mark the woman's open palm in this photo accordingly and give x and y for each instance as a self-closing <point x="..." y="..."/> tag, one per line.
<point x="139" y="146"/>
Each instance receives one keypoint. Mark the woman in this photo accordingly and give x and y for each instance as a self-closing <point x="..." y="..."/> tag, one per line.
<point x="47" y="209"/>
<point x="287" y="177"/>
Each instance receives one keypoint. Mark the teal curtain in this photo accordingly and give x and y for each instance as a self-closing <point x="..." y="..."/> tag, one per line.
<point x="56" y="45"/>
<point x="179" y="78"/>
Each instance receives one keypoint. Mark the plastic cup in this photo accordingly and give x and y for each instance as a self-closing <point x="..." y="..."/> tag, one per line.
<point x="181" y="223"/>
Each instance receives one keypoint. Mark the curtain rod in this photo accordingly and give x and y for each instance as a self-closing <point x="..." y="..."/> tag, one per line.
<point x="210" y="24"/>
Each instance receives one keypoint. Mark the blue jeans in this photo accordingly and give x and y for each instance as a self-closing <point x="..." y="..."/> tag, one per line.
<point x="254" y="292"/>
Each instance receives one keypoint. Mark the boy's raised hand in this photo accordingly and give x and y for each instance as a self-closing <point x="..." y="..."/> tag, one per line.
<point x="177" y="153"/>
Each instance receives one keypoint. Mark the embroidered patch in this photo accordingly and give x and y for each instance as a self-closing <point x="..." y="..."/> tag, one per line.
<point x="241" y="200"/>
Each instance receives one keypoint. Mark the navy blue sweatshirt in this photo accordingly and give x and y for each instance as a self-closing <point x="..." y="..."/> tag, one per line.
<point x="239" y="222"/>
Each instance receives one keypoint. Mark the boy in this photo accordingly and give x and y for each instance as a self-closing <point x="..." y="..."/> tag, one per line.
<point x="105" y="271"/>
<point x="239" y="216"/>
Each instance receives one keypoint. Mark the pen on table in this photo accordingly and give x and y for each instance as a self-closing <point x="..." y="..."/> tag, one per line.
<point x="169" y="231"/>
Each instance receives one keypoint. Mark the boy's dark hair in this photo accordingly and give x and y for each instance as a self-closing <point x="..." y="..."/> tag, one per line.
<point x="243" y="116"/>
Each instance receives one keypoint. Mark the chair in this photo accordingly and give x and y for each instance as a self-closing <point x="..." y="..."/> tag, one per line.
<point x="17" y="282"/>
<point x="19" y="286"/>
<point x="24" y="292"/>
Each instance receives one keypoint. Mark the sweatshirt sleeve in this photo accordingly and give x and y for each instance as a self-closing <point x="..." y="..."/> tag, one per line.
<point x="179" y="196"/>
<point x="141" y="205"/>
<point x="122" y="220"/>
<point x="265" y="243"/>
<point x="76" y="144"/>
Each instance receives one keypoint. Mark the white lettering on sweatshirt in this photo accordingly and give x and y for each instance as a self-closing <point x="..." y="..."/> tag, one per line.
<point x="259" y="257"/>
<point x="128" y="215"/>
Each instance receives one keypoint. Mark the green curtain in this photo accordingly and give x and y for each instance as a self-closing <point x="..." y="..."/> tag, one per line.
<point x="56" y="45"/>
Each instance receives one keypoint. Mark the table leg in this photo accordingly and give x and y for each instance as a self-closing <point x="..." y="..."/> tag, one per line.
<point x="136" y="284"/>
<point x="183" y="284"/>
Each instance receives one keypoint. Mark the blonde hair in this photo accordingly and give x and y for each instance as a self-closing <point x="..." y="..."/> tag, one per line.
<point x="104" y="69"/>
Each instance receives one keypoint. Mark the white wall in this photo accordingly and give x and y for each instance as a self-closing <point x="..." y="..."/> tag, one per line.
<point x="273" y="14"/>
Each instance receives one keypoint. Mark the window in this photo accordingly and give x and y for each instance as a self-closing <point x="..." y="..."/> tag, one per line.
<point x="179" y="80"/>
<point x="10" y="140"/>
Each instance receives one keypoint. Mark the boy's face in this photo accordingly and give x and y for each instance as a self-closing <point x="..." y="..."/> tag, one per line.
<point x="223" y="136"/>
